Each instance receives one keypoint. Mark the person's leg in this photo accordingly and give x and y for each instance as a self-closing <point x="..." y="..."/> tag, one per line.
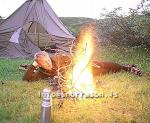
<point x="100" y="68"/>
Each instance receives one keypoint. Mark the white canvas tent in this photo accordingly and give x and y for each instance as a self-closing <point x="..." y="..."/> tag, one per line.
<point x="31" y="27"/>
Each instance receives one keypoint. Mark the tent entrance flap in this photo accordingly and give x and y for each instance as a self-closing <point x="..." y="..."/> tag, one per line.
<point x="38" y="35"/>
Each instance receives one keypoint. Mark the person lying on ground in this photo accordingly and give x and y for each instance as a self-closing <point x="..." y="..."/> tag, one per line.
<point x="45" y="66"/>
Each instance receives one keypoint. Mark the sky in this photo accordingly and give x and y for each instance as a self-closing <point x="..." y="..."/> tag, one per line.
<point x="73" y="8"/>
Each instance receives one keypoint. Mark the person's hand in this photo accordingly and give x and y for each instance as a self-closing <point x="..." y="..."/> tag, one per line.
<point x="35" y="64"/>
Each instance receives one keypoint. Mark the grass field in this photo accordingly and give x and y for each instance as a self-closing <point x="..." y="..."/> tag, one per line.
<point x="20" y="101"/>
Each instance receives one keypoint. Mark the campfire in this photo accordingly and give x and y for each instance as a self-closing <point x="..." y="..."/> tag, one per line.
<point x="81" y="75"/>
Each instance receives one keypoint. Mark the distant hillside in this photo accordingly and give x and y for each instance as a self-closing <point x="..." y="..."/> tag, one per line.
<point x="74" y="23"/>
<point x="75" y="20"/>
<point x="1" y="18"/>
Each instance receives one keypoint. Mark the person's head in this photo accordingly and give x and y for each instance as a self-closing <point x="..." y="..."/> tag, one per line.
<point x="43" y="60"/>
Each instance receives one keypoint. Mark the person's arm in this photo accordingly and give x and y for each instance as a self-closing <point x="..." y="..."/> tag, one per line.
<point x="30" y="75"/>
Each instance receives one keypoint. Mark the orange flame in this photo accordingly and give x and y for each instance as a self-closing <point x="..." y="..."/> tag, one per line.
<point x="82" y="77"/>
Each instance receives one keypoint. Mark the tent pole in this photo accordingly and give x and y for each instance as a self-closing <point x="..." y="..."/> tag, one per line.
<point x="38" y="40"/>
<point x="37" y="32"/>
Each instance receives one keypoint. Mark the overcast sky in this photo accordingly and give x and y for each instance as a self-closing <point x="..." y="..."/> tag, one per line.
<point x="72" y="8"/>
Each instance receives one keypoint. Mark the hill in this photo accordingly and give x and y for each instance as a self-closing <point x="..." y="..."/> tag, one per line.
<point x="1" y="19"/>
<point x="74" y="23"/>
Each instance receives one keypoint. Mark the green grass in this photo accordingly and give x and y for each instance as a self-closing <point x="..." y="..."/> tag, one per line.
<point x="20" y="101"/>
<point x="122" y="55"/>
<point x="9" y="68"/>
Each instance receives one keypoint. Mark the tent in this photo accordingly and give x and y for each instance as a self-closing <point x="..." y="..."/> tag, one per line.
<point x="32" y="27"/>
